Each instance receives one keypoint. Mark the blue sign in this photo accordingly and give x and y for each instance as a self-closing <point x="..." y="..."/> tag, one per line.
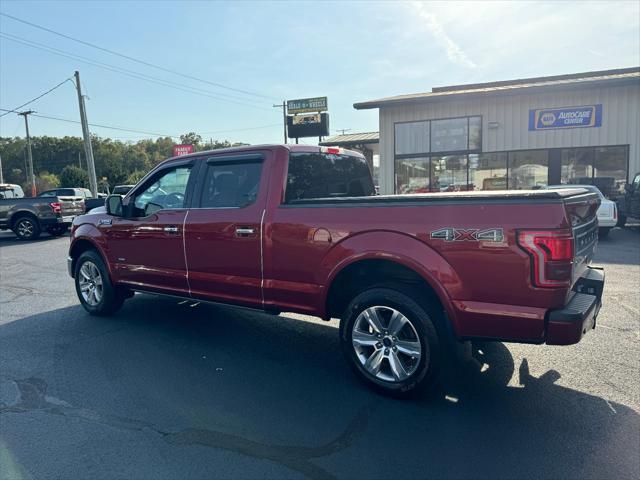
<point x="565" y="117"/>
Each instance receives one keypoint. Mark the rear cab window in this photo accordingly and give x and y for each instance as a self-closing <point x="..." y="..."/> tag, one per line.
<point x="323" y="175"/>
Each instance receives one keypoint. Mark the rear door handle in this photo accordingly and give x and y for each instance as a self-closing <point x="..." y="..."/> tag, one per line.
<point x="245" y="231"/>
<point x="171" y="229"/>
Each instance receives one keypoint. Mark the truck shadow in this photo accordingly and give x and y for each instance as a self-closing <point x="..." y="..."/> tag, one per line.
<point x="275" y="388"/>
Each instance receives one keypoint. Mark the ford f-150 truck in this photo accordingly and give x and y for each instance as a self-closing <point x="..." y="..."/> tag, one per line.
<point x="299" y="228"/>
<point x="29" y="216"/>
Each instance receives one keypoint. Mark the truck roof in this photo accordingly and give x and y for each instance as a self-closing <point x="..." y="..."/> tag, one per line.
<point x="267" y="146"/>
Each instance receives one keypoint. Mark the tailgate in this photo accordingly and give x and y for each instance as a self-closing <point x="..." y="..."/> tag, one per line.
<point x="581" y="207"/>
<point x="71" y="206"/>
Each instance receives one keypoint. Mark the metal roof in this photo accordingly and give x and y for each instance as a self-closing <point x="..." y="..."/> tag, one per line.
<point x="352" y="139"/>
<point x="527" y="85"/>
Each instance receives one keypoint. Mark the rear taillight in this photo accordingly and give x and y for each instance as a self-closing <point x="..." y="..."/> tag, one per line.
<point x="615" y="211"/>
<point x="56" y="207"/>
<point x="551" y="253"/>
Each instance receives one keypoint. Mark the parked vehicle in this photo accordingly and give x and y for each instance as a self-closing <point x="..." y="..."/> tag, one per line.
<point x="629" y="203"/>
<point x="28" y="217"/>
<point x="10" y="190"/>
<point x="607" y="212"/>
<point x="122" y="189"/>
<point x="79" y="193"/>
<point x="298" y="228"/>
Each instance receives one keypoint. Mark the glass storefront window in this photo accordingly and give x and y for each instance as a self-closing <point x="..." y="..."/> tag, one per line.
<point x="528" y="169"/>
<point x="449" y="173"/>
<point x="577" y="165"/>
<point x="449" y="135"/>
<point x="610" y="170"/>
<point x="412" y="138"/>
<point x="412" y="175"/>
<point x="475" y="133"/>
<point x="488" y="171"/>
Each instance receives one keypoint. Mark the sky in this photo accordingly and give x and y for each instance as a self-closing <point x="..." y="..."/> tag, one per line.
<point x="243" y="57"/>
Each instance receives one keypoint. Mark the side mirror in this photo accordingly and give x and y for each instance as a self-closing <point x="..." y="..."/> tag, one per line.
<point x="114" y="205"/>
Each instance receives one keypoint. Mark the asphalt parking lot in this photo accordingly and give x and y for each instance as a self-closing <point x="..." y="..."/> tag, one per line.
<point x="170" y="389"/>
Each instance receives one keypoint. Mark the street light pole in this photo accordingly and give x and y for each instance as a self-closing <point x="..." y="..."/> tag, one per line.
<point x="284" y="117"/>
<point x="88" y="150"/>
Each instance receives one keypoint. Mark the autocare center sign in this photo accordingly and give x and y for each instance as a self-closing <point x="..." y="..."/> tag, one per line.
<point x="179" y="150"/>
<point x="565" y="117"/>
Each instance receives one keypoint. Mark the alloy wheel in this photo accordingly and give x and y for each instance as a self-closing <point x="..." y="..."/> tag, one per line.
<point x="90" y="282"/>
<point x="25" y="228"/>
<point x="386" y="343"/>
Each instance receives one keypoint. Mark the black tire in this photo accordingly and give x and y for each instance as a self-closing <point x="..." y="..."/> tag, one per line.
<point x="622" y="221"/>
<point x="423" y="373"/>
<point x="111" y="297"/>
<point x="603" y="232"/>
<point x="57" y="230"/>
<point x="26" y="227"/>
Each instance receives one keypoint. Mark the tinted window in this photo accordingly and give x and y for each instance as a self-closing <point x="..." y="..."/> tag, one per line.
<point x="320" y="175"/>
<point x="50" y="193"/>
<point x="233" y="184"/>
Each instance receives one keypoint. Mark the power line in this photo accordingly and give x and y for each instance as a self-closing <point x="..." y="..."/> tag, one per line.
<point x="133" y="59"/>
<point x="16" y="110"/>
<point x="130" y="130"/>
<point x="127" y="72"/>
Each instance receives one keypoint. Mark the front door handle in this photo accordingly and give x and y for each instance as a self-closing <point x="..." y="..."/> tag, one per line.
<point x="171" y="229"/>
<point x="245" y="231"/>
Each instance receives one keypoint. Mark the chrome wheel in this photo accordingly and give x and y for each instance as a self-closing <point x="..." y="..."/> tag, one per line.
<point x="386" y="343"/>
<point x="25" y="228"/>
<point x="90" y="283"/>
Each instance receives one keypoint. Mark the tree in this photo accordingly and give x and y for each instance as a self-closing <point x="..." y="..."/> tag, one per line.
<point x="135" y="177"/>
<point x="191" y="138"/>
<point x="47" y="181"/>
<point x="72" y="176"/>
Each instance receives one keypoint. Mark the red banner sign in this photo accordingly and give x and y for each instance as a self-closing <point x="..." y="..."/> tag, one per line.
<point x="179" y="150"/>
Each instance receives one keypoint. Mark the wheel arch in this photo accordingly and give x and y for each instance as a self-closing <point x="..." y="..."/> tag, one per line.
<point x="21" y="214"/>
<point x="405" y="260"/>
<point x="81" y="245"/>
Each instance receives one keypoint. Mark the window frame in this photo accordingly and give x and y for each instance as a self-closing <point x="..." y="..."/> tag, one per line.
<point x="431" y="153"/>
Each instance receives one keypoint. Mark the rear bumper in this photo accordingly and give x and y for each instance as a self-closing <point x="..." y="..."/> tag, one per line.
<point x="568" y="325"/>
<point x="607" y="222"/>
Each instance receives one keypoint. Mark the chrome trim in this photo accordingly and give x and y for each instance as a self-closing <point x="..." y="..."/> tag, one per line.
<point x="245" y="231"/>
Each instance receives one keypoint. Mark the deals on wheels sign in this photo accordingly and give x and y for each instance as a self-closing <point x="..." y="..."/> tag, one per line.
<point x="179" y="150"/>
<point x="304" y="105"/>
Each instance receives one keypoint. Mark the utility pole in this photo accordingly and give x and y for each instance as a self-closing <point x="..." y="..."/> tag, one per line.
<point x="30" y="174"/>
<point x="1" y="175"/>
<point x="88" y="151"/>
<point x="284" y="117"/>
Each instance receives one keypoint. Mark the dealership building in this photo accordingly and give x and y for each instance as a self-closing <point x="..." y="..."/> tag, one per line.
<point x="520" y="134"/>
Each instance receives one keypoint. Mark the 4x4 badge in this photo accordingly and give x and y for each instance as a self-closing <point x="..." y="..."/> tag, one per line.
<point x="450" y="234"/>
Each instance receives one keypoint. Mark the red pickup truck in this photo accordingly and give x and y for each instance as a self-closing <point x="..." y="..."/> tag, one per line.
<point x="300" y="229"/>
